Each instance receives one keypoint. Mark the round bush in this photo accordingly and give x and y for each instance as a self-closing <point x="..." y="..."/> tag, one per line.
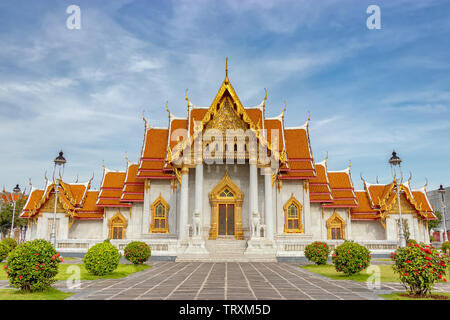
<point x="411" y="241"/>
<point x="10" y="242"/>
<point x="419" y="266"/>
<point x="101" y="259"/>
<point x="4" y="250"/>
<point x="317" y="252"/>
<point x="351" y="257"/>
<point x="446" y="247"/>
<point x="33" y="265"/>
<point x="137" y="252"/>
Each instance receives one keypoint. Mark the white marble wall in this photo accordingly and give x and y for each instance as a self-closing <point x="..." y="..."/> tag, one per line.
<point x="367" y="230"/>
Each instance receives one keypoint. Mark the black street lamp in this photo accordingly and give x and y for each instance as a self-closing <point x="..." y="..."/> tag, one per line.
<point x="395" y="161"/>
<point x="441" y="190"/>
<point x="16" y="191"/>
<point x="59" y="161"/>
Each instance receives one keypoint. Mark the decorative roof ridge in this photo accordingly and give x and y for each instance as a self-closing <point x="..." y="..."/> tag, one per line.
<point x="29" y="196"/>
<point x="347" y="171"/>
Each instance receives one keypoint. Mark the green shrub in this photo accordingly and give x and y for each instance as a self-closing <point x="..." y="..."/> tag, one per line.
<point x="431" y="239"/>
<point x="445" y="247"/>
<point x="317" y="252"/>
<point x="137" y="252"/>
<point x="10" y="242"/>
<point x="33" y="265"/>
<point x="412" y="241"/>
<point x="101" y="259"/>
<point x="4" y="250"/>
<point x="351" y="257"/>
<point x="419" y="266"/>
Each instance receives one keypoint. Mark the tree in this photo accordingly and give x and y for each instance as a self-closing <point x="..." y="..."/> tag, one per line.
<point x="434" y="224"/>
<point x="406" y="232"/>
<point x="6" y="212"/>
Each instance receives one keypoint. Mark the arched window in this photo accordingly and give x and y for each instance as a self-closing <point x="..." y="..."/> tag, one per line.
<point x="160" y="216"/>
<point x="336" y="227"/>
<point x="117" y="226"/>
<point x="293" y="216"/>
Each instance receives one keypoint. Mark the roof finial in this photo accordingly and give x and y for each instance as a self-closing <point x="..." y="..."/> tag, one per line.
<point x="103" y="164"/>
<point x="143" y="118"/>
<point x="362" y="179"/>
<point x="226" y="68"/>
<point x="76" y="181"/>
<point x="409" y="179"/>
<point x="349" y="164"/>
<point x="426" y="183"/>
<point x="29" y="182"/>
<point x="326" y="158"/>
<point x="265" y="97"/>
<point x="284" y="110"/>
<point x="167" y="108"/>
<point x="377" y="180"/>
<point x="126" y="158"/>
<point x="309" y="118"/>
<point x="92" y="178"/>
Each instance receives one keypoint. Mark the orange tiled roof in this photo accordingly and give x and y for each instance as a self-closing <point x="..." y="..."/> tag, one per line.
<point x="133" y="189"/>
<point x="111" y="189"/>
<point x="320" y="190"/>
<point x="341" y="190"/>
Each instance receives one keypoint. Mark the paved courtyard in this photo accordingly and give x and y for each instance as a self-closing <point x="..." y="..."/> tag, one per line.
<point x="225" y="281"/>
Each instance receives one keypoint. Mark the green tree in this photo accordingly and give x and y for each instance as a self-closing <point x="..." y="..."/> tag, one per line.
<point x="434" y="224"/>
<point x="6" y="212"/>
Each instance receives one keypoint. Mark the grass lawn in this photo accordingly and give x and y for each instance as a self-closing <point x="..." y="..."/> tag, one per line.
<point x="50" y="294"/>
<point x="386" y="273"/>
<point x="398" y="296"/>
<point x="122" y="271"/>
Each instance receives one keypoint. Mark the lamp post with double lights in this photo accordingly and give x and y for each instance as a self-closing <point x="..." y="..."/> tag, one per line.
<point x="441" y="190"/>
<point x="16" y="191"/>
<point x="395" y="161"/>
<point x="59" y="161"/>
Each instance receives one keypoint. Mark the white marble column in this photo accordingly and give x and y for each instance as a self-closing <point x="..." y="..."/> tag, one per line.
<point x="349" y="235"/>
<point x="268" y="208"/>
<point x="184" y="195"/>
<point x="254" y="217"/>
<point x="198" y="209"/>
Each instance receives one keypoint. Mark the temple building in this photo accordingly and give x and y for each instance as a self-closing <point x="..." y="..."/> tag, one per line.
<point x="226" y="183"/>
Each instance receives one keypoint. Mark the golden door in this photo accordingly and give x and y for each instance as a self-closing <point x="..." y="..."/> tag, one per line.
<point x="226" y="219"/>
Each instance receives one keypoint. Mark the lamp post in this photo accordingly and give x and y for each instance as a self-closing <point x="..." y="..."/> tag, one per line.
<point x="16" y="190"/>
<point x="395" y="161"/>
<point x="59" y="161"/>
<point x="441" y="190"/>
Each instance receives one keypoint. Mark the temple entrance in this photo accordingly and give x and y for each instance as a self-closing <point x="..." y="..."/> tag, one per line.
<point x="226" y="210"/>
<point x="226" y="219"/>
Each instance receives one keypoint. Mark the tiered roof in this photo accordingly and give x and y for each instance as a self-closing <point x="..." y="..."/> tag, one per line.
<point x="77" y="199"/>
<point x="376" y="200"/>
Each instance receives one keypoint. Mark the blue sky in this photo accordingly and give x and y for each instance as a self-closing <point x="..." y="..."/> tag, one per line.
<point x="83" y="91"/>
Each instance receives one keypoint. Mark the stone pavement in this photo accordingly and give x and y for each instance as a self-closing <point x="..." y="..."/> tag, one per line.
<point x="226" y="281"/>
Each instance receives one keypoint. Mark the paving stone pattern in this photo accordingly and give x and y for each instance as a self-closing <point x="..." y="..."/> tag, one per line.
<point x="226" y="281"/>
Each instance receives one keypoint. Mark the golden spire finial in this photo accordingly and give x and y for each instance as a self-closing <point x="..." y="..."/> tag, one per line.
<point x="326" y="158"/>
<point x="284" y="110"/>
<point x="309" y="118"/>
<point x="226" y="68"/>
<point x="126" y="159"/>
<point x="349" y="164"/>
<point x="143" y="118"/>
<point x="103" y="164"/>
<point x="167" y="108"/>
<point x="265" y="97"/>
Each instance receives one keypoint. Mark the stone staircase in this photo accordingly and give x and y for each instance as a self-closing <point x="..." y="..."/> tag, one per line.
<point x="227" y="250"/>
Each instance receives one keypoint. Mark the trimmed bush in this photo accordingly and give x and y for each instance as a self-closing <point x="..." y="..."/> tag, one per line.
<point x="137" y="252"/>
<point x="412" y="241"/>
<point x="317" y="252"/>
<point x="101" y="259"/>
<point x="4" y="250"/>
<point x="10" y="242"/>
<point x="419" y="266"/>
<point x="33" y="265"/>
<point x="351" y="257"/>
<point x="446" y="247"/>
<point x="431" y="239"/>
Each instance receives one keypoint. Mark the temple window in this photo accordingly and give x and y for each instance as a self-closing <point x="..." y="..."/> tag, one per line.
<point x="293" y="216"/>
<point x="117" y="226"/>
<point x="160" y="216"/>
<point x="336" y="227"/>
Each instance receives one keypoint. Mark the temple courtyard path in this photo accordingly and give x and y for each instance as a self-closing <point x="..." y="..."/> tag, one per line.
<point x="226" y="281"/>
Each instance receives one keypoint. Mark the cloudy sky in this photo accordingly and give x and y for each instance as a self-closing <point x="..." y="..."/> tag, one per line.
<point x="83" y="91"/>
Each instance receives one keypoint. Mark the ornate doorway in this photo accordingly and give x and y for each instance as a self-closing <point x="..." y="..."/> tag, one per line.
<point x="226" y="209"/>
